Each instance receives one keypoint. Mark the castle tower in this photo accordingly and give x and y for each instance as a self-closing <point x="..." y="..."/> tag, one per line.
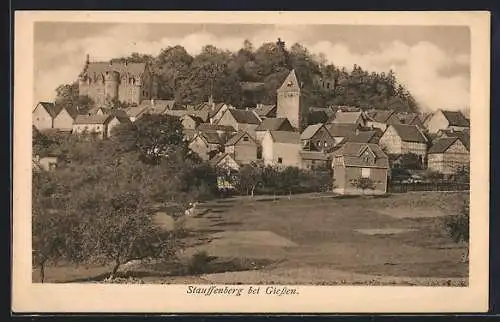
<point x="111" y="83"/>
<point x="289" y="100"/>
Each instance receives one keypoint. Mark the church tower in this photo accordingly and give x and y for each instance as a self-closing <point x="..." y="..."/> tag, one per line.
<point x="289" y="100"/>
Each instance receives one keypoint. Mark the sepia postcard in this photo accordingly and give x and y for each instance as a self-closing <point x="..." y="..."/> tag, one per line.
<point x="251" y="162"/>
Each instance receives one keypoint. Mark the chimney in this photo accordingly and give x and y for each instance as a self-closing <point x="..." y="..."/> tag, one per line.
<point x="211" y="101"/>
<point x="87" y="59"/>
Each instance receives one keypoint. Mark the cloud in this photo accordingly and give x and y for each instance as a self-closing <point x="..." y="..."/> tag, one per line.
<point x="420" y="66"/>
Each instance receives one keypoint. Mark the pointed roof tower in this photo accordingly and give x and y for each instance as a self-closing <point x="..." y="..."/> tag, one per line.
<point x="291" y="83"/>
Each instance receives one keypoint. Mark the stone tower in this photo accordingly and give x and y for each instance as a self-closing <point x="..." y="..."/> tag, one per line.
<point x="289" y="100"/>
<point x="111" y="83"/>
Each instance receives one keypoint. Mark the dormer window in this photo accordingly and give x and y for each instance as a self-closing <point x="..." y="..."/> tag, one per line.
<point x="290" y="83"/>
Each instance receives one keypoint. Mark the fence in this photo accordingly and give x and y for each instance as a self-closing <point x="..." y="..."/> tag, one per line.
<point x="442" y="186"/>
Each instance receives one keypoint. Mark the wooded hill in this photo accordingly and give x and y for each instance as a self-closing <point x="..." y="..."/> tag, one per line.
<point x="250" y="76"/>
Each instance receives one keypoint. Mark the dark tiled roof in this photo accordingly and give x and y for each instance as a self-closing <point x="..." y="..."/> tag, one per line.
<point x="365" y="137"/>
<point x="238" y="136"/>
<point x="275" y="124"/>
<point x="409" y="118"/>
<point x="352" y="153"/>
<point x="310" y="131"/>
<point x="441" y="145"/>
<point x="198" y="120"/>
<point x="92" y="119"/>
<point x="341" y="130"/>
<point x="244" y="117"/>
<point x="409" y="133"/>
<point x="264" y="110"/>
<point x="72" y="111"/>
<point x="381" y="116"/>
<point x="290" y="83"/>
<point x="215" y="127"/>
<point x="347" y="117"/>
<point x="211" y="137"/>
<point x="456" y="118"/>
<point x="135" y="111"/>
<point x="51" y="108"/>
<point x="314" y="117"/>
<point x="219" y="157"/>
<point x="464" y="136"/>
<point x="285" y="137"/>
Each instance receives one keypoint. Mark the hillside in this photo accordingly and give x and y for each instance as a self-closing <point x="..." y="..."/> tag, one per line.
<point x="251" y="76"/>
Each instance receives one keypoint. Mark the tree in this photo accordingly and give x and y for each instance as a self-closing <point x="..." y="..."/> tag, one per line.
<point x="457" y="226"/>
<point x="364" y="184"/>
<point x="67" y="95"/>
<point x="411" y="161"/>
<point x="250" y="177"/>
<point x="289" y="179"/>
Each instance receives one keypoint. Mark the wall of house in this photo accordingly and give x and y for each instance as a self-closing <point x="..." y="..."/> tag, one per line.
<point x="228" y="119"/>
<point x="111" y="124"/>
<point x="391" y="141"/>
<point x="339" y="175"/>
<point x="63" y="121"/>
<point x="437" y="122"/>
<point x="379" y="176"/>
<point x="452" y="160"/>
<point x="259" y="136"/>
<point x="414" y="147"/>
<point x="244" y="151"/>
<point x="310" y="164"/>
<point x="219" y="113"/>
<point x="289" y="154"/>
<point x="249" y="128"/>
<point x="41" y="118"/>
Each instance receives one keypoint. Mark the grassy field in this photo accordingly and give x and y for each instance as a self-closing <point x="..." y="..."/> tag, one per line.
<point x="320" y="239"/>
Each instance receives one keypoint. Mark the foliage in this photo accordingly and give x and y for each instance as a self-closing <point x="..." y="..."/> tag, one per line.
<point x="68" y="95"/>
<point x="364" y="184"/>
<point x="199" y="263"/>
<point x="411" y="161"/>
<point x="249" y="177"/>
<point x="458" y="226"/>
<point x="191" y="79"/>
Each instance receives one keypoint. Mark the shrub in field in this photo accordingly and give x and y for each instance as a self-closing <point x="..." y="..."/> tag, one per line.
<point x="458" y="226"/>
<point x="199" y="263"/>
<point x="364" y="184"/>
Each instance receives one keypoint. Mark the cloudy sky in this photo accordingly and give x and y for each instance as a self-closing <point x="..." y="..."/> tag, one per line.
<point x="433" y="62"/>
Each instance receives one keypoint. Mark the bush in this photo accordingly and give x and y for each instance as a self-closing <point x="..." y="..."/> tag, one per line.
<point x="199" y="263"/>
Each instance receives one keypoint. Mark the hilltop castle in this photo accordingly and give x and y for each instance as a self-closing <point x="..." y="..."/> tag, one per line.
<point x="112" y="81"/>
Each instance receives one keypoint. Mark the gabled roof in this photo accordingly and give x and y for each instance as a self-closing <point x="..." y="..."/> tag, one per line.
<point x="347" y="117"/>
<point x="409" y="118"/>
<point x="352" y="154"/>
<point x="285" y="137"/>
<point x="51" y="108"/>
<point x="365" y="137"/>
<point x="215" y="127"/>
<point x="237" y="137"/>
<point x="381" y="116"/>
<point x="198" y="120"/>
<point x="314" y="117"/>
<point x="464" y="136"/>
<point x="211" y="137"/>
<point x="290" y="83"/>
<point x="221" y="156"/>
<point x="275" y="124"/>
<point x="136" y="111"/>
<point x="92" y="119"/>
<point x="342" y="130"/>
<point x="72" y="111"/>
<point x="264" y="110"/>
<point x="456" y="118"/>
<point x="310" y="131"/>
<point x="409" y="133"/>
<point x="244" y="117"/>
<point x="442" y="144"/>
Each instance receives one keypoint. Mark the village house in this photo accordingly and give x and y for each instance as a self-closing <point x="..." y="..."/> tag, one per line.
<point x="65" y="118"/>
<point x="265" y="111"/>
<point x="116" y="118"/>
<point x="43" y="115"/>
<point x="242" y="147"/>
<point x="210" y="111"/>
<point x="403" y="139"/>
<point x="341" y="132"/>
<point x="92" y="124"/>
<point x="241" y="120"/>
<point x="281" y="148"/>
<point x="410" y="119"/>
<point x="357" y="117"/>
<point x="316" y="137"/>
<point x="446" y="120"/>
<point x="206" y="144"/>
<point x="190" y="122"/>
<point x="224" y="131"/>
<point x="355" y="162"/>
<point x="366" y="136"/>
<point x="448" y="155"/>
<point x="272" y="124"/>
<point x="315" y="160"/>
<point x="464" y="136"/>
<point x="381" y="119"/>
<point x="136" y="112"/>
<point x="227" y="169"/>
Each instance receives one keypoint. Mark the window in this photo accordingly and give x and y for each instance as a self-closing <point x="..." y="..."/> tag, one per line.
<point x="280" y="160"/>
<point x="245" y="138"/>
<point x="365" y="172"/>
